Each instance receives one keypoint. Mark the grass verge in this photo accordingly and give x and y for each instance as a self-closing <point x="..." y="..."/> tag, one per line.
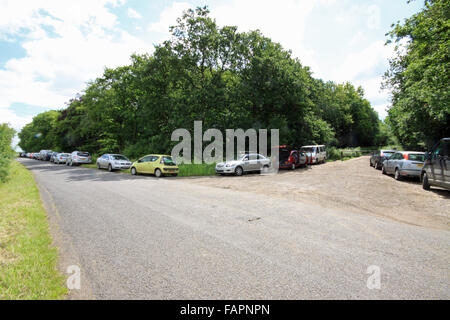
<point x="28" y="262"/>
<point x="188" y="170"/>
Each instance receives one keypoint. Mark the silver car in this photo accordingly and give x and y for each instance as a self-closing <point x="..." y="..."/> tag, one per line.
<point x="78" y="157"/>
<point x="404" y="164"/>
<point x="113" y="162"/>
<point x="60" y="158"/>
<point x="245" y="163"/>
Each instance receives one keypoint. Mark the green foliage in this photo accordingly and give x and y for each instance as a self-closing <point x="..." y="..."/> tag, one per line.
<point x="419" y="76"/>
<point x="6" y="153"/>
<point x="215" y="74"/>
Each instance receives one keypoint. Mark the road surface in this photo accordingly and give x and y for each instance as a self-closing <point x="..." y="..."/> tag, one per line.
<point x="174" y="238"/>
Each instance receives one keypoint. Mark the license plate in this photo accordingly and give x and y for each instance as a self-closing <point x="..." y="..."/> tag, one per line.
<point x="420" y="165"/>
<point x="82" y="158"/>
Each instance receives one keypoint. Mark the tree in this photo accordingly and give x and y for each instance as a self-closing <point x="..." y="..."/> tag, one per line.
<point x="418" y="76"/>
<point x="6" y="152"/>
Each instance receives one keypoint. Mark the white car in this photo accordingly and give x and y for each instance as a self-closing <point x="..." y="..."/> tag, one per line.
<point x="244" y="163"/>
<point x="316" y="153"/>
<point x="113" y="162"/>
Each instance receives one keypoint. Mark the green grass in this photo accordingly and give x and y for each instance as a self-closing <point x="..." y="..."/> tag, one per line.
<point x="28" y="262"/>
<point x="188" y="170"/>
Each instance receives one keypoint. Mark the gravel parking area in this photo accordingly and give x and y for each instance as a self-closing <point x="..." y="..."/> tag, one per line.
<point x="350" y="185"/>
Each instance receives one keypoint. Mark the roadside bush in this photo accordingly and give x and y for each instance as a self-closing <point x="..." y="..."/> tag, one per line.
<point x="6" y="152"/>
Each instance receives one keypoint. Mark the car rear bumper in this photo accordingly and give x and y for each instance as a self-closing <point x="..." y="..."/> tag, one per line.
<point x="410" y="172"/>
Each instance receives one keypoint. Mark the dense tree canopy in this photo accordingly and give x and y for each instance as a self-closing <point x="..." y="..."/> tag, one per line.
<point x="204" y="72"/>
<point x="419" y="76"/>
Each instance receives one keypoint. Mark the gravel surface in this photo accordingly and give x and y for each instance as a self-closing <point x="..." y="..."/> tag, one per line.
<point x="298" y="235"/>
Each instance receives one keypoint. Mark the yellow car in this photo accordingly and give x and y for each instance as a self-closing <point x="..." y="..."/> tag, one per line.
<point x="157" y="164"/>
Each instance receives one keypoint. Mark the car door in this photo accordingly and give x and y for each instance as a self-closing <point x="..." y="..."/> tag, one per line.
<point x="253" y="162"/>
<point x="390" y="163"/>
<point x="153" y="164"/>
<point x="440" y="164"/>
<point x="141" y="164"/>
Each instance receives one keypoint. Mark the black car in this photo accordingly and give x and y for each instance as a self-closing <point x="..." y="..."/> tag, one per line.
<point x="377" y="158"/>
<point x="436" y="171"/>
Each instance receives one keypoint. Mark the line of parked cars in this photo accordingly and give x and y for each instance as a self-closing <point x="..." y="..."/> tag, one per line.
<point x="432" y="168"/>
<point x="161" y="165"/>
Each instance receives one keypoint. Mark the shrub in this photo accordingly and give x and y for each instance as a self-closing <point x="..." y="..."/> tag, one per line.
<point x="6" y="152"/>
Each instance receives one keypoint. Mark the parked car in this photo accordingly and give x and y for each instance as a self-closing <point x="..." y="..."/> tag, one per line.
<point x="78" y="157"/>
<point x="289" y="157"/>
<point x="61" y="158"/>
<point x="157" y="164"/>
<point x="245" y="163"/>
<point x="44" y="155"/>
<point x="113" y="162"/>
<point x="404" y="164"/>
<point x="53" y="155"/>
<point x="436" y="171"/>
<point x="377" y="158"/>
<point x="316" y="153"/>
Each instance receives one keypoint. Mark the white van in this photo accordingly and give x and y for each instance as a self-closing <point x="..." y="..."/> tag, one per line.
<point x="315" y="153"/>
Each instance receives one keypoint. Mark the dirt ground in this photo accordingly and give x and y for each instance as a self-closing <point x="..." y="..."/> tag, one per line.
<point x="350" y="185"/>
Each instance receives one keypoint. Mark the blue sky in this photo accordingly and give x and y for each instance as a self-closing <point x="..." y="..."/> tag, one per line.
<point x="50" y="49"/>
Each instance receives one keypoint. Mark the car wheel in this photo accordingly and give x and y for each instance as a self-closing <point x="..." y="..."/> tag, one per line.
<point x="425" y="183"/>
<point x="238" y="171"/>
<point x="383" y="170"/>
<point x="375" y="165"/>
<point x="110" y="169"/>
<point x="397" y="175"/>
<point x="133" y="171"/>
<point x="158" y="173"/>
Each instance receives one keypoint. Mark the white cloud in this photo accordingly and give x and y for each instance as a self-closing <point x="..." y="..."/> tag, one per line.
<point x="133" y="14"/>
<point x="84" y="40"/>
<point x="362" y="62"/>
<point x="373" y="22"/>
<point x="282" y="23"/>
<point x="168" y="18"/>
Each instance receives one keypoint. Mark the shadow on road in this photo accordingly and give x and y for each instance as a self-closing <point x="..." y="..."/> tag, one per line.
<point x="80" y="173"/>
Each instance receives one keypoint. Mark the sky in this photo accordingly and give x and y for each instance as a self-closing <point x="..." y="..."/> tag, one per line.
<point x="50" y="49"/>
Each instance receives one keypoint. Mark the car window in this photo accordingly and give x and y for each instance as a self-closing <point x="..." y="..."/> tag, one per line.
<point x="118" y="157"/>
<point x="416" y="157"/>
<point x="83" y="154"/>
<point x="245" y="158"/>
<point x="146" y="159"/>
<point x="260" y="157"/>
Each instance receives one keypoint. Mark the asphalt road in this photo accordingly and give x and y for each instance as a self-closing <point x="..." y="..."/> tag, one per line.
<point x="147" y="238"/>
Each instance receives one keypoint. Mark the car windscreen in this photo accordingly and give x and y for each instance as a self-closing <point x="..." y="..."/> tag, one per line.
<point x="416" y="157"/>
<point x="119" y="157"/>
<point x="168" y="161"/>
<point x="386" y="154"/>
<point x="83" y="154"/>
